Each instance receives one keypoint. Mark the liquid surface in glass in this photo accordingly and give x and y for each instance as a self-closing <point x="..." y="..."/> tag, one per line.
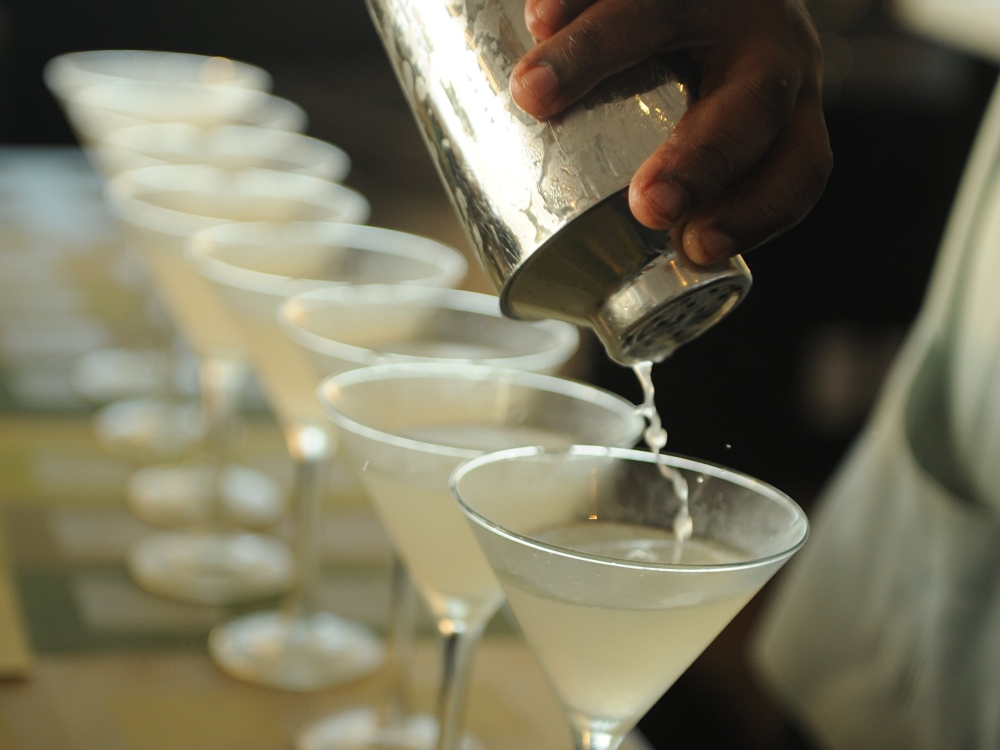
<point x="614" y="663"/>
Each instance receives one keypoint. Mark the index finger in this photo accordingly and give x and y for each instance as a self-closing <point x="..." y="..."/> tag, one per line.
<point x="607" y="37"/>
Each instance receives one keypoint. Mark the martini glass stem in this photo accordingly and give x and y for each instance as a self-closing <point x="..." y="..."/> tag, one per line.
<point x="588" y="738"/>
<point x="394" y="706"/>
<point x="310" y="447"/>
<point x="460" y="641"/>
<point x="308" y="516"/>
<point x="221" y="378"/>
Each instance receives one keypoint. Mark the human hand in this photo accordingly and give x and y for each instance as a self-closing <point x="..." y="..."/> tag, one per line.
<point x="749" y="158"/>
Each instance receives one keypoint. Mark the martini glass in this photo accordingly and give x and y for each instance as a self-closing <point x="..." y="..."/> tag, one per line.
<point x="161" y="208"/>
<point x="406" y="427"/>
<point x="256" y="266"/>
<point x="583" y="544"/>
<point x="355" y="326"/>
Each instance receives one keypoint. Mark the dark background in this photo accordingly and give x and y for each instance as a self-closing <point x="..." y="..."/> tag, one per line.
<point x="778" y="389"/>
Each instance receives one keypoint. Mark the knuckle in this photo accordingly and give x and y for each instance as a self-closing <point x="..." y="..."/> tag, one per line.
<point x="769" y="216"/>
<point x="584" y="45"/>
<point x="714" y="163"/>
<point x="771" y="97"/>
<point x="791" y="203"/>
<point x="769" y="220"/>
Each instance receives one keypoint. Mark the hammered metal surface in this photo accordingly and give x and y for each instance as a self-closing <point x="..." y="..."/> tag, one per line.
<point x="516" y="181"/>
<point x="544" y="203"/>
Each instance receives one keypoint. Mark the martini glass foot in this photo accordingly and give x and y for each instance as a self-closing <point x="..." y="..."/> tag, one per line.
<point x="144" y="427"/>
<point x="359" y="729"/>
<point x="295" y="653"/>
<point x="178" y="495"/>
<point x="211" y="568"/>
<point x="111" y="374"/>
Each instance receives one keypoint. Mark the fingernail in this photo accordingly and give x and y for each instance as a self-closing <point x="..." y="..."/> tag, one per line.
<point x="541" y="82"/>
<point x="541" y="18"/>
<point x="668" y="199"/>
<point x="715" y="245"/>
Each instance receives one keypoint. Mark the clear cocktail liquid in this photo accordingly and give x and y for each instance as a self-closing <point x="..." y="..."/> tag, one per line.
<point x="656" y="439"/>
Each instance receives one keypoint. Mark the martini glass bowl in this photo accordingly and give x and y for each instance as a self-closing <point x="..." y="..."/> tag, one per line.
<point x="406" y="427"/>
<point x="161" y="208"/>
<point x="582" y="541"/>
<point x="364" y="325"/>
<point x="255" y="267"/>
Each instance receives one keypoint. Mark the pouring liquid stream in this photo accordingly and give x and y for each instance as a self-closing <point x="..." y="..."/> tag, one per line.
<point x="656" y="438"/>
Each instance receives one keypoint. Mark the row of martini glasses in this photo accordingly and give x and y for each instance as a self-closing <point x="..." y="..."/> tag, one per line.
<point x="364" y="351"/>
<point x="226" y="306"/>
<point x="132" y="109"/>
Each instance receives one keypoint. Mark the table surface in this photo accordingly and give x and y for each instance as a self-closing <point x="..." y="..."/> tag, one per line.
<point x="87" y="659"/>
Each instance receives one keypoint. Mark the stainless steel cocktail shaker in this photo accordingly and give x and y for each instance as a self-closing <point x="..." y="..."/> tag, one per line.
<point x="545" y="203"/>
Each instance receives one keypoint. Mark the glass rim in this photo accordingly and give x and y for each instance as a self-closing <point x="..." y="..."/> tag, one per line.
<point x="670" y="459"/>
<point x="276" y="113"/>
<point x="464" y="371"/>
<point x="565" y="335"/>
<point x="79" y="64"/>
<point x="129" y="99"/>
<point x="321" y="154"/>
<point x="449" y="264"/>
<point x="122" y="193"/>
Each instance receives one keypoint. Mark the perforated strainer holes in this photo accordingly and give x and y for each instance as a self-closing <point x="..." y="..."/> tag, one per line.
<point x="680" y="320"/>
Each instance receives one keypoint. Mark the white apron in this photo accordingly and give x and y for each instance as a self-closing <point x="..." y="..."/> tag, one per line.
<point x="885" y="632"/>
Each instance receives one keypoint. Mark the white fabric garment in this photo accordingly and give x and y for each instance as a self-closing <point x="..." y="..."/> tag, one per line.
<point x="885" y="633"/>
<point x="974" y="377"/>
